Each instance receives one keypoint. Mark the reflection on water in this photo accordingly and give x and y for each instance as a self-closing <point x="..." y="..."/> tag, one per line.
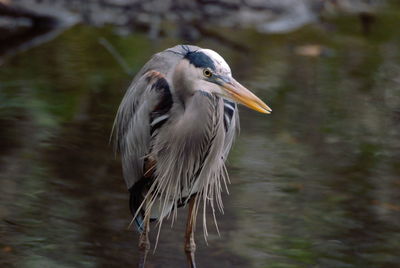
<point x="316" y="184"/>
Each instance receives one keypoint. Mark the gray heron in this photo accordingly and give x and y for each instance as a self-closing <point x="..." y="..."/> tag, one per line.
<point x="174" y="129"/>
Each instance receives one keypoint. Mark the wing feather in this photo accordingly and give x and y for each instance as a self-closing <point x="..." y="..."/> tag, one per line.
<point x="231" y="124"/>
<point x="143" y="110"/>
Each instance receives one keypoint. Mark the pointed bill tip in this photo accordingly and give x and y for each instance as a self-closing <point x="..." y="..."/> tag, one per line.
<point x="260" y="108"/>
<point x="267" y="109"/>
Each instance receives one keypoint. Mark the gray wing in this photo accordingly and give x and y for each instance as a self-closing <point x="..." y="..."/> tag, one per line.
<point x="144" y="108"/>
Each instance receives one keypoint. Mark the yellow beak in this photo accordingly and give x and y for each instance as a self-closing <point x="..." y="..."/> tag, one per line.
<point x="244" y="96"/>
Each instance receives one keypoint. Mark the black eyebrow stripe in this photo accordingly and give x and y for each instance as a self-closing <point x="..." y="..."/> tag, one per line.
<point x="200" y="60"/>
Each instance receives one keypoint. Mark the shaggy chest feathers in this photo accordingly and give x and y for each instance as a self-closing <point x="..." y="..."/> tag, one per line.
<point x="191" y="147"/>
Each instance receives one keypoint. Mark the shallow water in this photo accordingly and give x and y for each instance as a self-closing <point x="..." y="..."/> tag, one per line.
<point x="315" y="184"/>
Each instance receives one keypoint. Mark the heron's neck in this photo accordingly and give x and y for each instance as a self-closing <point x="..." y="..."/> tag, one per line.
<point x="182" y="82"/>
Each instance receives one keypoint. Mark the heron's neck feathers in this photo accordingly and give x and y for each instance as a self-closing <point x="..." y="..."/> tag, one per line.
<point x="182" y="81"/>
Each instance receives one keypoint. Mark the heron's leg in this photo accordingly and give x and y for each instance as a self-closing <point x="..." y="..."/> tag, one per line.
<point x="144" y="242"/>
<point x="190" y="245"/>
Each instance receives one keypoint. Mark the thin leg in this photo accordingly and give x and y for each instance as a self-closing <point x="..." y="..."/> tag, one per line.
<point x="190" y="245"/>
<point x="144" y="242"/>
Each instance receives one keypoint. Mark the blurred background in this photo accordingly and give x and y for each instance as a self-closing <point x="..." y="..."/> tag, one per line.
<point x="315" y="184"/>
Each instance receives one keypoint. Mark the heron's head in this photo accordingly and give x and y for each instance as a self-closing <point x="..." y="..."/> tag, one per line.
<point x="206" y="70"/>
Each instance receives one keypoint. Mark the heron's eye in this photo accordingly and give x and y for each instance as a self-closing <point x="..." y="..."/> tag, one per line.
<point x="207" y="73"/>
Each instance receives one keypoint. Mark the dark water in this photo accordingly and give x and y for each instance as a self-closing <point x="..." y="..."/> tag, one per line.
<point x="315" y="184"/>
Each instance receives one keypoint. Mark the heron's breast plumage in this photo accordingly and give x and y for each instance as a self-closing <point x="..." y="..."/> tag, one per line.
<point x="188" y="152"/>
<point x="190" y="146"/>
